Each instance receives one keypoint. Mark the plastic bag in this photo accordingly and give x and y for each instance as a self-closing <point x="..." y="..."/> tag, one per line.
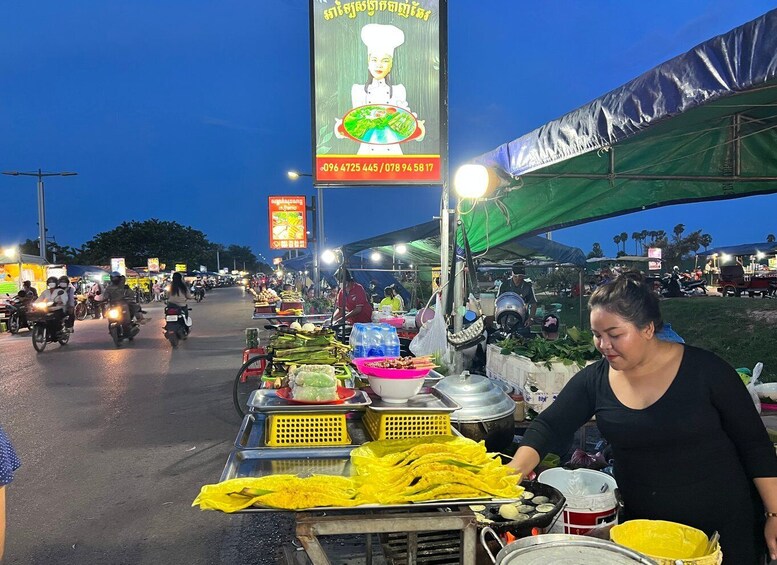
<point x="751" y="386"/>
<point x="432" y="338"/>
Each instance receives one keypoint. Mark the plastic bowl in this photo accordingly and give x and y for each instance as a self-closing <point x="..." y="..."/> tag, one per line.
<point x="395" y="391"/>
<point x="396" y="322"/>
<point x="387" y="373"/>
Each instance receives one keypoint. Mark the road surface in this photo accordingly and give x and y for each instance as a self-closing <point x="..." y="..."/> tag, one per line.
<point x="115" y="444"/>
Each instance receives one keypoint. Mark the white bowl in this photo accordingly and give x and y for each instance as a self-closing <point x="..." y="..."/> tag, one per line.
<point x="766" y="390"/>
<point x="395" y="391"/>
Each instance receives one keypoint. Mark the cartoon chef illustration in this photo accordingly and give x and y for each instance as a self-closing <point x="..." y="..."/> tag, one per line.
<point x="381" y="41"/>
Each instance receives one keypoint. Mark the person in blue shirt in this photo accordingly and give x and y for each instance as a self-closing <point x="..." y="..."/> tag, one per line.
<point x="9" y="463"/>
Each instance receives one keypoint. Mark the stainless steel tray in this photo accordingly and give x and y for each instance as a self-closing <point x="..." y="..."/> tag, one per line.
<point x="428" y="400"/>
<point x="252" y="434"/>
<point x="266" y="400"/>
<point x="316" y="461"/>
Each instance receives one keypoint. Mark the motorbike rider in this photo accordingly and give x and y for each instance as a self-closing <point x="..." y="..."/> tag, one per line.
<point x="118" y="291"/>
<point x="198" y="286"/>
<point x="95" y="296"/>
<point x="518" y="284"/>
<point x="63" y="283"/>
<point x="55" y="295"/>
<point x="29" y="290"/>
<point x="178" y="294"/>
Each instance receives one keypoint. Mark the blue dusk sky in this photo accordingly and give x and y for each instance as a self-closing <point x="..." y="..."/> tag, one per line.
<point x="194" y="110"/>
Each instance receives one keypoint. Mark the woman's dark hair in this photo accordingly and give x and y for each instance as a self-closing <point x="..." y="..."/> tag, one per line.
<point x="389" y="290"/>
<point x="177" y="286"/>
<point x="630" y="297"/>
<point x="386" y="79"/>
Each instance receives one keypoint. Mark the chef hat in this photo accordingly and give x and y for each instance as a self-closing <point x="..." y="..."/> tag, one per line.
<point x="381" y="38"/>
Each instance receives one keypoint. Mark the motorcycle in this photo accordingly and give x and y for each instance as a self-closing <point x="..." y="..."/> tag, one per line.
<point x="47" y="325"/>
<point x="121" y="325"/>
<point x="198" y="292"/>
<point x="87" y="306"/>
<point x="177" y="324"/>
<point x="14" y="310"/>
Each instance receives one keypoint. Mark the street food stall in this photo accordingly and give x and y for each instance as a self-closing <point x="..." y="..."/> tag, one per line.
<point x="749" y="269"/>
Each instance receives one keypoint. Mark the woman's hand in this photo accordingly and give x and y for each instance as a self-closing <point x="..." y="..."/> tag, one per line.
<point x="338" y="129"/>
<point x="770" y="534"/>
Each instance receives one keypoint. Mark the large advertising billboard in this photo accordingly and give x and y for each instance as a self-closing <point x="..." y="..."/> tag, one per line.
<point x="379" y="92"/>
<point x="288" y="222"/>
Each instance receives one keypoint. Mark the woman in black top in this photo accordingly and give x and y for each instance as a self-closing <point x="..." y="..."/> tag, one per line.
<point x="688" y="443"/>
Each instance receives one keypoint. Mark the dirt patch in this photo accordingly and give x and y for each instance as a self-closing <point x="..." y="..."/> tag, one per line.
<point x="768" y="316"/>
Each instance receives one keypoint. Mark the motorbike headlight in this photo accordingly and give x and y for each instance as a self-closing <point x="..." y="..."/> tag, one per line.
<point x="41" y="306"/>
<point x="114" y="313"/>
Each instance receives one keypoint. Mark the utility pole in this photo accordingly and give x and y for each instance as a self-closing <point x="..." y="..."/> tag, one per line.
<point x="41" y="202"/>
<point x="218" y="261"/>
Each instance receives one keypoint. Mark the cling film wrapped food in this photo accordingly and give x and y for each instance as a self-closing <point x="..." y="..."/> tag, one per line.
<point x="386" y="472"/>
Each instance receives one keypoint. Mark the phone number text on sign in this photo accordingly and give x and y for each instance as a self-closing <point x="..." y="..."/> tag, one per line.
<point x="358" y="169"/>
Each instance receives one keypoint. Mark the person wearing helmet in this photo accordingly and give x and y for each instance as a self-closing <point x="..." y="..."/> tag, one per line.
<point x="118" y="291"/>
<point x="198" y="287"/>
<point x="63" y="283"/>
<point x="56" y="296"/>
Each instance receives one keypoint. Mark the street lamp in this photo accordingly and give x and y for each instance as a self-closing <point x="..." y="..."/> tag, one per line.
<point x="41" y="202"/>
<point x="319" y="236"/>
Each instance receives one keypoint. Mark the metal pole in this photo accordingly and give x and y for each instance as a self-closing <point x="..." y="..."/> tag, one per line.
<point x="445" y="243"/>
<point x="320" y="240"/>
<point x="218" y="261"/>
<point x="316" y="250"/>
<point x="41" y="217"/>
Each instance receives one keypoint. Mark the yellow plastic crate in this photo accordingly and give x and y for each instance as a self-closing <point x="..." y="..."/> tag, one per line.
<point x="399" y="425"/>
<point x="306" y="430"/>
<point x="307" y="467"/>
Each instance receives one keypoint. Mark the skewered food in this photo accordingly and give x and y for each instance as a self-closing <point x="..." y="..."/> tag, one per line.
<point x="402" y="363"/>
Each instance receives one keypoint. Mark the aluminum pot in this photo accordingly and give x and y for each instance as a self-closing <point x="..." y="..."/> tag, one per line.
<point x="486" y="410"/>
<point x="562" y="548"/>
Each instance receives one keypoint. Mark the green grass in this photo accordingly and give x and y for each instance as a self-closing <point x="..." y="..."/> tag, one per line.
<point x="743" y="331"/>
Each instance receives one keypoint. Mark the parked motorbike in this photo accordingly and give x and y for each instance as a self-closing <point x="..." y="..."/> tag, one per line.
<point x="178" y="324"/>
<point x="48" y="326"/>
<point x="14" y="312"/>
<point x="677" y="285"/>
<point x="121" y="325"/>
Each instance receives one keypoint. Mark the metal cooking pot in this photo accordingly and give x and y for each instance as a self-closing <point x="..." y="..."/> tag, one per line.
<point x="486" y="410"/>
<point x="510" y="310"/>
<point x="562" y="548"/>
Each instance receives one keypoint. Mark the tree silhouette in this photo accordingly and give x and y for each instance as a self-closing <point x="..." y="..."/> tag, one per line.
<point x="616" y="240"/>
<point x="596" y="251"/>
<point x="624" y="239"/>
<point x="770" y="238"/>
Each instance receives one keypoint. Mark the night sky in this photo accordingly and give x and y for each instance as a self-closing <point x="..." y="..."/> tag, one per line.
<point x="194" y="110"/>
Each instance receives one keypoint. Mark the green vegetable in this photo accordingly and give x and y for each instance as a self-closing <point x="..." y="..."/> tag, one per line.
<point x="576" y="347"/>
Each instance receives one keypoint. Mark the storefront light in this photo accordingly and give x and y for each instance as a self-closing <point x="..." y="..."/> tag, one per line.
<point x="725" y="257"/>
<point x="375" y="257"/>
<point x="10" y="252"/>
<point x="760" y="255"/>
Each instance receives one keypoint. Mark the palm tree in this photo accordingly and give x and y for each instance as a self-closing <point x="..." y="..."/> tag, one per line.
<point x="624" y="239"/>
<point x="770" y="238"/>
<point x="678" y="231"/>
<point x="616" y="240"/>
<point x="635" y="237"/>
<point x="705" y="240"/>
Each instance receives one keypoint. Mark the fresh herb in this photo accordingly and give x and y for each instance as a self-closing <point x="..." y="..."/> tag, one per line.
<point x="576" y="347"/>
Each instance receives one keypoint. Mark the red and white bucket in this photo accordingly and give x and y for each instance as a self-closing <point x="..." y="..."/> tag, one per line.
<point x="590" y="495"/>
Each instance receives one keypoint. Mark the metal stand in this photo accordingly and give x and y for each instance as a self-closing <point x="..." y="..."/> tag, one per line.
<point x="311" y="525"/>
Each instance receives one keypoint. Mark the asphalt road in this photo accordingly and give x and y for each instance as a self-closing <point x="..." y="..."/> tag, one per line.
<point x="115" y="444"/>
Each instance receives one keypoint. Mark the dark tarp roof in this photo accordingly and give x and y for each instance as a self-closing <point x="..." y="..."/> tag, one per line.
<point x="743" y="249"/>
<point x="701" y="126"/>
<point x="83" y="270"/>
<point x="423" y="248"/>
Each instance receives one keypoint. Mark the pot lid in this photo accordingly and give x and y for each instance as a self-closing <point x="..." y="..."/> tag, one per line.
<point x="562" y="548"/>
<point x="481" y="398"/>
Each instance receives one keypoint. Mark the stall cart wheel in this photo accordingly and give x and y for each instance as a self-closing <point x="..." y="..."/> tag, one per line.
<point x="248" y="379"/>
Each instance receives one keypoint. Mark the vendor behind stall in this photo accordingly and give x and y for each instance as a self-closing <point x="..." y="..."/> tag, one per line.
<point x="392" y="299"/>
<point x="688" y="443"/>
<point x="518" y="284"/>
<point x="358" y="308"/>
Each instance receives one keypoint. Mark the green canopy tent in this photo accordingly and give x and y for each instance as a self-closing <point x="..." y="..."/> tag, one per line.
<point x="702" y="126"/>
